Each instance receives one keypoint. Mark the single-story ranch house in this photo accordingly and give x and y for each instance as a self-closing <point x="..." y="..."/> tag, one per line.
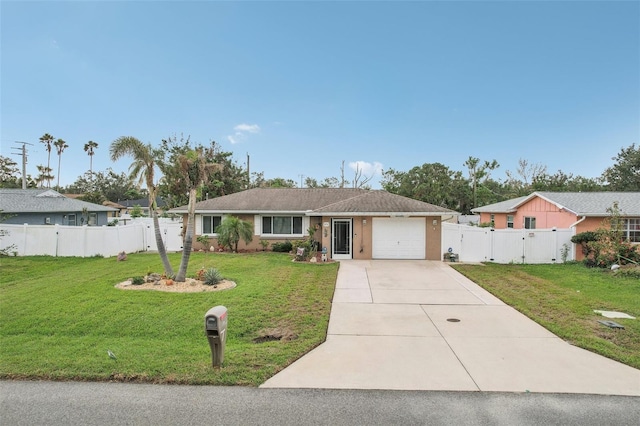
<point x="49" y="207"/>
<point x="349" y="223"/>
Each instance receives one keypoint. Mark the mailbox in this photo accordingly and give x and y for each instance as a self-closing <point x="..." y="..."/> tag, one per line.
<point x="215" y="325"/>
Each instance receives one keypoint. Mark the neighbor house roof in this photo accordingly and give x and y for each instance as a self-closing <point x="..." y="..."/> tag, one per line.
<point x="316" y="201"/>
<point x="142" y="202"/>
<point x="578" y="203"/>
<point x="43" y="200"/>
<point x="112" y="204"/>
<point x="508" y="206"/>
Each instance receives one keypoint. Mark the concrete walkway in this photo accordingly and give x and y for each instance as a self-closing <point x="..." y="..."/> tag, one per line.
<point x="420" y="325"/>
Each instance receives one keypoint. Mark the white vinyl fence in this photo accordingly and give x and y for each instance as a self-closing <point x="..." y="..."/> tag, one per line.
<point x="474" y="244"/>
<point x="171" y="231"/>
<point x="86" y="241"/>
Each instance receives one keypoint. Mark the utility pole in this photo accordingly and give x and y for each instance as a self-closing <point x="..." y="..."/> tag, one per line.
<point x="301" y="177"/>
<point x="23" y="152"/>
<point x="248" y="172"/>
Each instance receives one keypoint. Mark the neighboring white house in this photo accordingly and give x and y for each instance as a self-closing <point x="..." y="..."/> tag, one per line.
<point x="49" y="207"/>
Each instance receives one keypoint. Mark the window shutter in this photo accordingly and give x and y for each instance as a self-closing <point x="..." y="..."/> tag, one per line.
<point x="257" y="224"/>
<point x="198" y="227"/>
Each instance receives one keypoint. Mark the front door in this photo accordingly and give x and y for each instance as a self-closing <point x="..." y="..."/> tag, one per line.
<point x="341" y="239"/>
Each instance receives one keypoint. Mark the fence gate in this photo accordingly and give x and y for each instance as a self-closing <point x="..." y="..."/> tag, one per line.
<point x="475" y="244"/>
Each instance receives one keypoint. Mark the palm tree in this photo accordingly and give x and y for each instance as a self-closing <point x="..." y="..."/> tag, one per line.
<point x="44" y="175"/>
<point x="232" y="230"/>
<point x="47" y="140"/>
<point x="144" y="162"/>
<point x="195" y="171"/>
<point x="60" y="147"/>
<point x="89" y="148"/>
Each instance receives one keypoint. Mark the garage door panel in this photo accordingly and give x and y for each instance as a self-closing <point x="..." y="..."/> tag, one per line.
<point x="399" y="238"/>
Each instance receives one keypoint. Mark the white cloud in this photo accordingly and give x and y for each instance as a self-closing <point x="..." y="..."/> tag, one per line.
<point x="241" y="132"/>
<point x="249" y="128"/>
<point x="233" y="139"/>
<point x="367" y="169"/>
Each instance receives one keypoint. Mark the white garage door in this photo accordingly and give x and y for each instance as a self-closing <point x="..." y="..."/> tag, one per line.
<point x="399" y="238"/>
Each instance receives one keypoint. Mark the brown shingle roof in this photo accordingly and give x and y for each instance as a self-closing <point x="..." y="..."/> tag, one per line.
<point x="378" y="201"/>
<point x="318" y="200"/>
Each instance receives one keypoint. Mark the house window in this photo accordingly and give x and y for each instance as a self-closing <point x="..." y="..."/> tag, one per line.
<point x="509" y="221"/>
<point x="632" y="229"/>
<point x="93" y="219"/>
<point x="529" y="223"/>
<point x="282" y="225"/>
<point x="71" y="219"/>
<point x="210" y="223"/>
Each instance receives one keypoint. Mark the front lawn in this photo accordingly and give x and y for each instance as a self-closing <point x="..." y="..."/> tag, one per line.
<point x="562" y="298"/>
<point x="60" y="316"/>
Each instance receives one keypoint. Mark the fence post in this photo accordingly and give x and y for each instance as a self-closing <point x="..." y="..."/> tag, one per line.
<point x="492" y="242"/>
<point x="25" y="229"/>
<point x="57" y="231"/>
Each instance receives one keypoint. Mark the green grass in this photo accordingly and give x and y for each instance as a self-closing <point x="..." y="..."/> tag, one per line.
<point x="59" y="316"/>
<point x="562" y="298"/>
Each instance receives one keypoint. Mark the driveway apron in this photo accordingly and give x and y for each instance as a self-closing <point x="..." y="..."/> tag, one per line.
<point x="421" y="325"/>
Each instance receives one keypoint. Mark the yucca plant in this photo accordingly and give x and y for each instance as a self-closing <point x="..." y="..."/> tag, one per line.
<point x="212" y="276"/>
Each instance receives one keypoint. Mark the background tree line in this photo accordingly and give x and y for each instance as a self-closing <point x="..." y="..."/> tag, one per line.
<point x="437" y="184"/>
<point x="461" y="190"/>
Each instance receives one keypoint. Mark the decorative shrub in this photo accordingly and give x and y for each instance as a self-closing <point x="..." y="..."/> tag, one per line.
<point x="606" y="251"/>
<point x="607" y="245"/>
<point x="232" y="230"/>
<point x="584" y="238"/>
<point x="303" y="244"/>
<point x="137" y="280"/>
<point x="204" y="240"/>
<point x="200" y="274"/>
<point x="212" y="276"/>
<point x="136" y="211"/>
<point x="284" y="247"/>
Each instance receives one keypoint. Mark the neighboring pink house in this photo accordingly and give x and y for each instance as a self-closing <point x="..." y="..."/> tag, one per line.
<point x="583" y="211"/>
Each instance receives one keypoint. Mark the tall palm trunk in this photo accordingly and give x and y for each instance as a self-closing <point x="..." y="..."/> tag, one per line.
<point x="162" y="251"/>
<point x="49" y="167"/>
<point x="59" y="158"/>
<point x="188" y="237"/>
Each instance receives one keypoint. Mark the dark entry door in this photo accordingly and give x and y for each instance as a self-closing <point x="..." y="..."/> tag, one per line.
<point x="341" y="247"/>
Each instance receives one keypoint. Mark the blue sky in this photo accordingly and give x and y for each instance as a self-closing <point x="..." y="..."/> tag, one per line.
<point x="302" y="86"/>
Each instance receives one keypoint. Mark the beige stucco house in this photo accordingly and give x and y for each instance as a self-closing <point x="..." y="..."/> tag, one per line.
<point x="349" y="223"/>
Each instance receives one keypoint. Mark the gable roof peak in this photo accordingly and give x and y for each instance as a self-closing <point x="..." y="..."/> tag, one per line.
<point x="50" y="193"/>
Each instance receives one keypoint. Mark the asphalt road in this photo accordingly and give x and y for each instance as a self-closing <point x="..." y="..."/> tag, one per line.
<point x="72" y="403"/>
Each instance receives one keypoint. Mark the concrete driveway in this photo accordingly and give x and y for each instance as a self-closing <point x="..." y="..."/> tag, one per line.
<point x="420" y="325"/>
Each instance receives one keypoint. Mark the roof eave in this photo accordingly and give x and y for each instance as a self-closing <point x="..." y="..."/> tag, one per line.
<point x="211" y="211"/>
<point x="392" y="214"/>
<point x="479" y="210"/>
